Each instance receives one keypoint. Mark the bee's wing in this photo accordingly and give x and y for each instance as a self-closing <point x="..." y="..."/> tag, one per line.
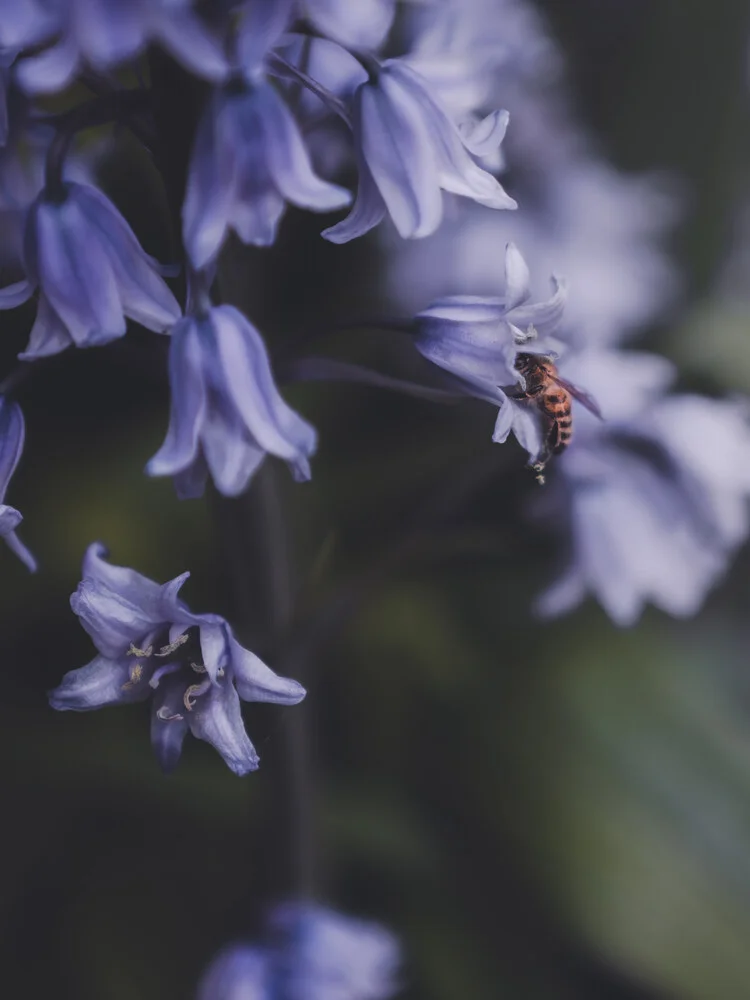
<point x="583" y="397"/>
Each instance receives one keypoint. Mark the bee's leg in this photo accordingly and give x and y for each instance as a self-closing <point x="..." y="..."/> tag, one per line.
<point x="546" y="453"/>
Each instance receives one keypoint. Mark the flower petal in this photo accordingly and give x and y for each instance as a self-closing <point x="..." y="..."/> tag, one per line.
<point x="516" y="277"/>
<point x="231" y="455"/>
<point x="456" y="170"/>
<point x="15" y="294"/>
<point x="211" y="182"/>
<point x="17" y="547"/>
<point x="399" y="151"/>
<point x="186" y="37"/>
<point x="103" y="681"/>
<point x="50" y="70"/>
<point x="168" y="724"/>
<point x="367" y="212"/>
<point x="246" y="373"/>
<point x="544" y="317"/>
<point x="188" y="402"/>
<point x="485" y="136"/>
<point x="76" y="275"/>
<point x="49" y="335"/>
<point x="288" y="159"/>
<point x="144" y="296"/>
<point x="238" y="973"/>
<point x="257" y="682"/>
<point x="217" y="719"/>
<point x="360" y="25"/>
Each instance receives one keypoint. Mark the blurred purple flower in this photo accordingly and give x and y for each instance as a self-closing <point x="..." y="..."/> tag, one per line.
<point x="656" y="496"/>
<point x="91" y="273"/>
<point x="408" y="151"/>
<point x="249" y="159"/>
<point x="103" y="34"/>
<point x="227" y="413"/>
<point x="477" y="340"/>
<point x="360" y="25"/>
<point x="12" y="434"/>
<point x="314" y="953"/>
<point x="152" y="646"/>
<point x="603" y="229"/>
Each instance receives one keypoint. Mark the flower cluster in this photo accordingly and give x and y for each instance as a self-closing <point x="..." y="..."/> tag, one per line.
<point x="312" y="953"/>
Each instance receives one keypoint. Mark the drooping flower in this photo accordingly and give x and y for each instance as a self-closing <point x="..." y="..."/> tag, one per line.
<point x="151" y="646"/>
<point x="477" y="340"/>
<point x="227" y="413"/>
<point x="656" y="498"/>
<point x="103" y="34"/>
<point x="12" y="434"/>
<point x="312" y="953"/>
<point x="409" y="150"/>
<point x="249" y="159"/>
<point x="91" y="273"/>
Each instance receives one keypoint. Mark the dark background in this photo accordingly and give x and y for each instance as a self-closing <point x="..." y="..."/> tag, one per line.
<point x="539" y="811"/>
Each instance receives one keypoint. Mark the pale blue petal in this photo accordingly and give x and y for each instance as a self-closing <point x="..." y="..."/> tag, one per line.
<point x="455" y="168"/>
<point x="367" y="212"/>
<point x="504" y="422"/>
<point x="49" y="335"/>
<point x="399" y="151"/>
<point x="109" y="32"/>
<point x="144" y="296"/>
<point x="188" y="39"/>
<point x="211" y="182"/>
<point x="188" y="406"/>
<point x="17" y="547"/>
<point x="214" y="650"/>
<point x="50" y="70"/>
<point x="231" y="454"/>
<point x="168" y="724"/>
<point x="288" y="159"/>
<point x="12" y="436"/>
<point x="261" y="27"/>
<point x="217" y="719"/>
<point x="465" y="308"/>
<point x="485" y="136"/>
<point x="544" y="317"/>
<point x="517" y="278"/>
<point x="239" y="973"/>
<point x="362" y="24"/>
<point x="246" y="373"/>
<point x="10" y="518"/>
<point x="15" y="294"/>
<point x="103" y="681"/>
<point x="76" y="275"/>
<point x="257" y="682"/>
<point x="191" y="482"/>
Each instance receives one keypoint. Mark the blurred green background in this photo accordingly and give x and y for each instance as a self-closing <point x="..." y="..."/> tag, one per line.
<point x="539" y="811"/>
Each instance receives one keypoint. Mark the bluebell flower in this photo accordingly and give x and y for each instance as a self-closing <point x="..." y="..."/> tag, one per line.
<point x="477" y="340"/>
<point x="103" y="34"/>
<point x="249" y="159"/>
<point x="151" y="646"/>
<point x="656" y="498"/>
<point x="312" y="953"/>
<point x="227" y="413"/>
<point x="360" y="25"/>
<point x="409" y="150"/>
<point x="12" y="434"/>
<point x="91" y="273"/>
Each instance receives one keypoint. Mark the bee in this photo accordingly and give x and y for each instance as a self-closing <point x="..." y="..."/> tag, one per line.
<point x="552" y="396"/>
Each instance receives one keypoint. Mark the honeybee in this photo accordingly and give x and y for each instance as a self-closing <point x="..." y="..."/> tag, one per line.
<point x="552" y="396"/>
